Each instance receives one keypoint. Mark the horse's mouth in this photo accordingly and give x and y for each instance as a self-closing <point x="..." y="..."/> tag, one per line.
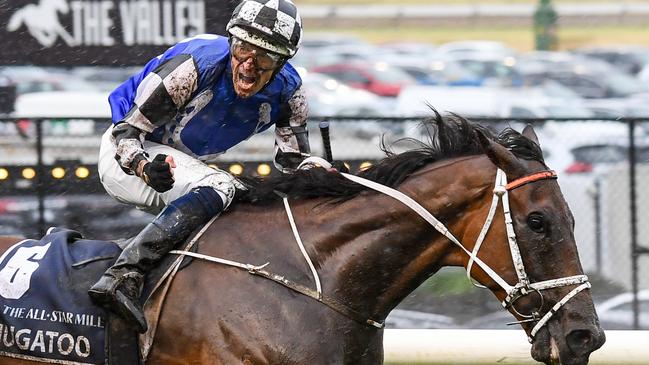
<point x="550" y="347"/>
<point x="545" y="348"/>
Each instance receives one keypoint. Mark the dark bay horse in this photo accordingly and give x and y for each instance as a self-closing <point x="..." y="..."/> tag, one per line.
<point x="371" y="250"/>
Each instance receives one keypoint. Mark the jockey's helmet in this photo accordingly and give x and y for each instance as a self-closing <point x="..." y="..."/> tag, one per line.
<point x="274" y="25"/>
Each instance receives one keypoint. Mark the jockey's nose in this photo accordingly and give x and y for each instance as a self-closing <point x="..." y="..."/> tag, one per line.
<point x="249" y="64"/>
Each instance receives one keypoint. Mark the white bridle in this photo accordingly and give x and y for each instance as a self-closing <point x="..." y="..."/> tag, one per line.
<point x="523" y="286"/>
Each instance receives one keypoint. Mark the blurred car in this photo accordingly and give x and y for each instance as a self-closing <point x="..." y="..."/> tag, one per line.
<point x="378" y="78"/>
<point x="531" y="102"/>
<point x="598" y="85"/>
<point x="541" y="61"/>
<point x="616" y="313"/>
<point x="493" y="70"/>
<point x="105" y="78"/>
<point x="476" y="47"/>
<point x="495" y="320"/>
<point x="590" y="78"/>
<point x="325" y="40"/>
<point x="29" y="79"/>
<point x="437" y="72"/>
<point x="60" y="104"/>
<point x="329" y="97"/>
<point x="618" y="108"/>
<point x="588" y="147"/>
<point x="407" y="50"/>
<point x="643" y="75"/>
<point x="628" y="58"/>
<point x="400" y="318"/>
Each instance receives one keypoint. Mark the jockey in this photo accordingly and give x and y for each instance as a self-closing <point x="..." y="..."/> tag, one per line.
<point x="195" y="101"/>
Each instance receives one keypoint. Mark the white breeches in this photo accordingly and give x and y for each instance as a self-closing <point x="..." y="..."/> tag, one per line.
<point x="189" y="173"/>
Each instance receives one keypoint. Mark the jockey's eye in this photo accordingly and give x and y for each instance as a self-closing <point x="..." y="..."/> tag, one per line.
<point x="536" y="222"/>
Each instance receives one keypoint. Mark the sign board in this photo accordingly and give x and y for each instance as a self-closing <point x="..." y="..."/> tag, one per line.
<point x="102" y="32"/>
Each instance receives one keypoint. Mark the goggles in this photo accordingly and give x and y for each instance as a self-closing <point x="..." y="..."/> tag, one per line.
<point x="264" y="60"/>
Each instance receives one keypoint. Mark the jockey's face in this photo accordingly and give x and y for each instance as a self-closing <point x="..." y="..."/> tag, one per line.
<point x="252" y="67"/>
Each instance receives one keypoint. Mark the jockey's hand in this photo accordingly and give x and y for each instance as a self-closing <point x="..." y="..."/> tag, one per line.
<point x="159" y="173"/>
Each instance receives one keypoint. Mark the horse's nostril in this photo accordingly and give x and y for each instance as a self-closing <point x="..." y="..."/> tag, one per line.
<point x="579" y="340"/>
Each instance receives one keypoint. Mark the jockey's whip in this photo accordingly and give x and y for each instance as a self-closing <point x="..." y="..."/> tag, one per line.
<point x="326" y="143"/>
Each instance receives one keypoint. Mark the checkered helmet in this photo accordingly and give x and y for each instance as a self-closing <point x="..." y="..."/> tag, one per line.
<point x="274" y="25"/>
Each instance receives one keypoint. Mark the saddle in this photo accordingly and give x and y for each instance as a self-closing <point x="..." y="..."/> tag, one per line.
<point x="47" y="313"/>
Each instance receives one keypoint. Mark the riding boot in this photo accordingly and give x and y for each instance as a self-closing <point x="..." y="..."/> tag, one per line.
<point x="120" y="288"/>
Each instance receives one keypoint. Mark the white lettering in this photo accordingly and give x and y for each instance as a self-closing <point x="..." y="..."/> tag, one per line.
<point x="8" y="342"/>
<point x="167" y="23"/>
<point x="24" y="345"/>
<point x="107" y="23"/>
<point x="85" y="352"/>
<point x="50" y="344"/>
<point x="180" y="19"/>
<point x="70" y="345"/>
<point x="39" y="341"/>
<point x="77" y="21"/>
<point x="129" y="18"/>
<point x="16" y="275"/>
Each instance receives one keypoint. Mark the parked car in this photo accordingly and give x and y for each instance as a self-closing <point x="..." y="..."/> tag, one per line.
<point x="487" y="102"/>
<point x="400" y="318"/>
<point x="628" y="58"/>
<point x="586" y="147"/>
<point x="59" y="104"/>
<point x="597" y="85"/>
<point x="379" y="78"/>
<point x="616" y="313"/>
<point x="330" y="97"/>
<point x="436" y="71"/>
<point x="495" y="70"/>
<point x="476" y="47"/>
<point x="30" y="79"/>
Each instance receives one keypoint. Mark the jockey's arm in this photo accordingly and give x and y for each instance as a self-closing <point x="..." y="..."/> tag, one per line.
<point x="291" y="135"/>
<point x="159" y="97"/>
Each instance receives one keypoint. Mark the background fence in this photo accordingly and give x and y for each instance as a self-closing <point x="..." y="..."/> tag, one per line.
<point x="48" y="177"/>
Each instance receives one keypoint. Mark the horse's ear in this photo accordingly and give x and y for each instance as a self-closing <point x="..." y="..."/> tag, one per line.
<point x="501" y="156"/>
<point x="529" y="133"/>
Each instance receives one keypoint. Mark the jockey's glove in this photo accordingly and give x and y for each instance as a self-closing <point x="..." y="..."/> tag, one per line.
<point x="315" y="161"/>
<point x="158" y="175"/>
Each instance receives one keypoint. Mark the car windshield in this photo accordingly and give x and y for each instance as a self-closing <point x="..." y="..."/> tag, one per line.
<point x="387" y="74"/>
<point x="599" y="154"/>
<point x="623" y="85"/>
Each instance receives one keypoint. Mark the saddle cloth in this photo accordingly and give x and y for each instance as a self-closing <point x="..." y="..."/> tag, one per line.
<point x="45" y="312"/>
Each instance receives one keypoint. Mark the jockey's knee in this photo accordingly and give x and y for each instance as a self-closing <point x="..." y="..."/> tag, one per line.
<point x="222" y="184"/>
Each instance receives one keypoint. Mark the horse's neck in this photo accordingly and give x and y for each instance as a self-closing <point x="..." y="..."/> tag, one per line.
<point x="393" y="251"/>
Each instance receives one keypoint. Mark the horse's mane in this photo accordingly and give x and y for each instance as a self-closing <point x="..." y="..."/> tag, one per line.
<point x="449" y="136"/>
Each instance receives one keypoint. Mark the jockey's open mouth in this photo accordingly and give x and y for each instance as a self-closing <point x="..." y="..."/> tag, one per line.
<point x="247" y="78"/>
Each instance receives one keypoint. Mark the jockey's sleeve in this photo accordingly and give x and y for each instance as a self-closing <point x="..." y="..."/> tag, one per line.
<point x="159" y="96"/>
<point x="291" y="135"/>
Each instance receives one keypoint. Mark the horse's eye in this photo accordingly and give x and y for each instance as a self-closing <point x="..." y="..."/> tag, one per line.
<point x="536" y="222"/>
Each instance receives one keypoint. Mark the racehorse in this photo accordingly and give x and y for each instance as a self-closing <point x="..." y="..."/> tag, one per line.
<point x="367" y="251"/>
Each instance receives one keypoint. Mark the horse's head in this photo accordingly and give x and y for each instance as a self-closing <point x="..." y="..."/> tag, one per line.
<point x="544" y="285"/>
